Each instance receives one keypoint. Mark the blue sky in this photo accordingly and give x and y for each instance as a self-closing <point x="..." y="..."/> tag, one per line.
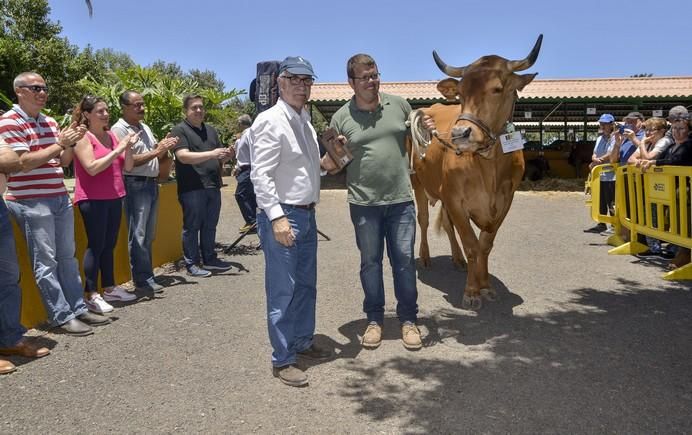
<point x="581" y="39"/>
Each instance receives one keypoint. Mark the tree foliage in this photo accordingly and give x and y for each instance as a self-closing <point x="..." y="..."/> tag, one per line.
<point x="163" y="95"/>
<point x="30" y="41"/>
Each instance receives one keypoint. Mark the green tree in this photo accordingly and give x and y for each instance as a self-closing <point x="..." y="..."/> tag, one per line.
<point x="29" y="41"/>
<point x="207" y="79"/>
<point x="163" y="96"/>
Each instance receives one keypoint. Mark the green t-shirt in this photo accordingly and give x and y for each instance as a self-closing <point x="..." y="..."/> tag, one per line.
<point x="379" y="172"/>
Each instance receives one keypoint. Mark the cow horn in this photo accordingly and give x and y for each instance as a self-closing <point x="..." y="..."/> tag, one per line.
<point x="451" y="71"/>
<point x="521" y="65"/>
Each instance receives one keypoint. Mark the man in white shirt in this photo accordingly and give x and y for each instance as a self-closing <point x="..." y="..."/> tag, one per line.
<point x="285" y="171"/>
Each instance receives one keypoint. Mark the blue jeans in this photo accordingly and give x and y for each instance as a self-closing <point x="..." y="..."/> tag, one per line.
<point x="245" y="196"/>
<point x="396" y="225"/>
<point x="101" y="219"/>
<point x="201" y="209"/>
<point x="48" y="226"/>
<point x="290" y="281"/>
<point x="11" y="331"/>
<point x="141" y="210"/>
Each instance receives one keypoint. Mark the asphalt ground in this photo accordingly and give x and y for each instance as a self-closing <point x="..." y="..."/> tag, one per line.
<point x="579" y="342"/>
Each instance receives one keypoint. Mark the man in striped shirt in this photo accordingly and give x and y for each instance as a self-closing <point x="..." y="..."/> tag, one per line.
<point x="38" y="200"/>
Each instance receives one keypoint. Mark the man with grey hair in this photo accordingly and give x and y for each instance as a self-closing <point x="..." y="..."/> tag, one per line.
<point x="286" y="176"/>
<point x="244" y="192"/>
<point x="141" y="184"/>
<point x="39" y="202"/>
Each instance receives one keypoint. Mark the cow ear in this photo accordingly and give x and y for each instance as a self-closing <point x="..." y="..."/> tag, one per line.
<point x="448" y="88"/>
<point x="522" y="80"/>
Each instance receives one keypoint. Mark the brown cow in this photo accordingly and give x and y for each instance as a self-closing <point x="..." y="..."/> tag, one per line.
<point x="465" y="166"/>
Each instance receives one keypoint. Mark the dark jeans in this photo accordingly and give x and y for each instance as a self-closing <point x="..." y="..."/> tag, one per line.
<point x="607" y="199"/>
<point x="201" y="209"/>
<point x="102" y="222"/>
<point x="394" y="225"/>
<point x="141" y="211"/>
<point x="11" y="330"/>
<point x="245" y="196"/>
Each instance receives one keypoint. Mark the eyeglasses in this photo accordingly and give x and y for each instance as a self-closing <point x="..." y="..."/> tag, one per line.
<point x="138" y="104"/>
<point x="651" y="130"/>
<point x="295" y="80"/>
<point x="35" y="88"/>
<point x="374" y="77"/>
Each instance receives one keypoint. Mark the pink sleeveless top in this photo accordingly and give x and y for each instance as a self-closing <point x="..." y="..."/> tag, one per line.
<point x="107" y="184"/>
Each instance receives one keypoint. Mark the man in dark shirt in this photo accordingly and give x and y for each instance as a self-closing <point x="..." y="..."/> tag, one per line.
<point x="199" y="156"/>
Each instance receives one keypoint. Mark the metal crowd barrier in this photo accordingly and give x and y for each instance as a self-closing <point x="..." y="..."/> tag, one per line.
<point x="655" y="203"/>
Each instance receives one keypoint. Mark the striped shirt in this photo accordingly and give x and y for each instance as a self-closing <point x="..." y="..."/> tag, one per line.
<point x="24" y="133"/>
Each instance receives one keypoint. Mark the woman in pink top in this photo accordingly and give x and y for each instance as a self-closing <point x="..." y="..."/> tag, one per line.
<point x="98" y="194"/>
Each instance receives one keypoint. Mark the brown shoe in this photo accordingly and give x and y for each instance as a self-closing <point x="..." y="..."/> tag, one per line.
<point x="372" y="337"/>
<point x="290" y="375"/>
<point x="410" y="336"/>
<point x="26" y="349"/>
<point x="6" y="367"/>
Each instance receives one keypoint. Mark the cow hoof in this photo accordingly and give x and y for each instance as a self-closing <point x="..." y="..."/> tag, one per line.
<point x="489" y="293"/>
<point x="473" y="303"/>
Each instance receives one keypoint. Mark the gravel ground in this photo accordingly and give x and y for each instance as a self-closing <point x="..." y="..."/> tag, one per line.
<point x="579" y="342"/>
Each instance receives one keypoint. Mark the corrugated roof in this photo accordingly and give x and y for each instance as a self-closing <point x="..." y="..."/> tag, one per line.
<point x="621" y="88"/>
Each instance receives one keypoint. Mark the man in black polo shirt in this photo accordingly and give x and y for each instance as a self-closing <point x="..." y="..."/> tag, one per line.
<point x="199" y="156"/>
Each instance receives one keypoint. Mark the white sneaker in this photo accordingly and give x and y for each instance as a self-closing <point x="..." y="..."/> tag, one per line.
<point x="118" y="294"/>
<point x="97" y="305"/>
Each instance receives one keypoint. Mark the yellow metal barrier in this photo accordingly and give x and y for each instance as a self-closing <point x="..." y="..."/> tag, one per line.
<point x="593" y="187"/>
<point x="656" y="204"/>
<point x="167" y="248"/>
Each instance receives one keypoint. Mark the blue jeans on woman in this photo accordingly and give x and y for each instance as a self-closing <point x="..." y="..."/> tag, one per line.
<point x="394" y="225"/>
<point x="201" y="210"/>
<point x="102" y="224"/>
<point x="290" y="281"/>
<point x="48" y="226"/>
<point x="11" y="331"/>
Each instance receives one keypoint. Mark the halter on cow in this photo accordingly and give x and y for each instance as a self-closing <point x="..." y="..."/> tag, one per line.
<point x="466" y="168"/>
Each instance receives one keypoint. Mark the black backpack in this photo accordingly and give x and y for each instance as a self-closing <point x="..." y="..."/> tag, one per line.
<point x="264" y="90"/>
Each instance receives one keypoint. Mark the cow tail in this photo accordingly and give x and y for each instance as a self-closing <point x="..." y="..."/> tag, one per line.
<point x="442" y="220"/>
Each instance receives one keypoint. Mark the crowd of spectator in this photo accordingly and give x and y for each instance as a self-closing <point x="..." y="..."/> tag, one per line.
<point x="112" y="165"/>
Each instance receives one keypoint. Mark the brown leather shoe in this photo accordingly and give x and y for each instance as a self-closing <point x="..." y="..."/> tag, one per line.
<point x="6" y="367"/>
<point x="410" y="336"/>
<point x="315" y="353"/>
<point x="290" y="375"/>
<point x="372" y="337"/>
<point x="26" y="349"/>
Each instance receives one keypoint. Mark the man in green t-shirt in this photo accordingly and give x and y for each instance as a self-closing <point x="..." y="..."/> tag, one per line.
<point x="373" y="125"/>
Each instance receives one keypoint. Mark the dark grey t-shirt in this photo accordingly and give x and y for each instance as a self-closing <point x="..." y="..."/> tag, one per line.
<point x="205" y="175"/>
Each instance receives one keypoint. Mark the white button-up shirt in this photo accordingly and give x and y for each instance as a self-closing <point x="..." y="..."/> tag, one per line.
<point x="242" y="149"/>
<point x="285" y="159"/>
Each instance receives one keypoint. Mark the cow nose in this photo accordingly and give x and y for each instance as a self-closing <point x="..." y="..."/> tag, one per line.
<point x="461" y="132"/>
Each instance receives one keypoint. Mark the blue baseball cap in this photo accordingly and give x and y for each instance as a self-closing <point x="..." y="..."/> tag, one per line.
<point x="296" y="65"/>
<point x="606" y="118"/>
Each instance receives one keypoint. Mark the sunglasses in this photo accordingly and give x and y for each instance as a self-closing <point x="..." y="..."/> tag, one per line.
<point x="35" y="88"/>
